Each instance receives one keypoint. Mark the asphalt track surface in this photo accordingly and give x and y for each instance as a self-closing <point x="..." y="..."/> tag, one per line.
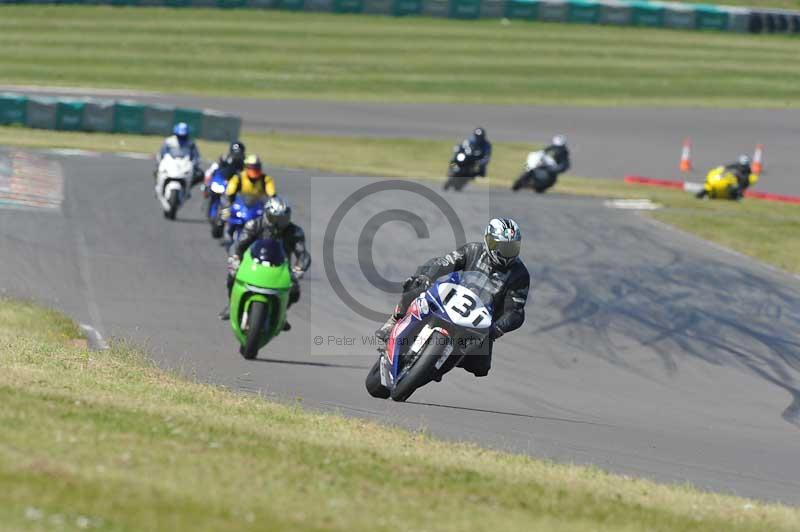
<point x="606" y="142"/>
<point x="645" y="351"/>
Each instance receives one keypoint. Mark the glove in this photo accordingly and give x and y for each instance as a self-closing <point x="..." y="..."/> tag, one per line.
<point x="496" y="332"/>
<point x="417" y="282"/>
<point x="233" y="264"/>
<point x="298" y="272"/>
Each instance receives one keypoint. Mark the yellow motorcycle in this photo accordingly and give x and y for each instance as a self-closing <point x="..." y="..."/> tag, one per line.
<point x="723" y="184"/>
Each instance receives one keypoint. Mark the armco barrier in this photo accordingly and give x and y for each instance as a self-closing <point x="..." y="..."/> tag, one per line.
<point x="646" y="13"/>
<point x="107" y="116"/>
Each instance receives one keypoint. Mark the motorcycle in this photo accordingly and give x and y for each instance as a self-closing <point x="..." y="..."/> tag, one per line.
<point x="537" y="173"/>
<point x="440" y="327"/>
<point x="463" y="167"/>
<point x="723" y="184"/>
<point x="213" y="191"/>
<point x="173" y="180"/>
<point x="245" y="207"/>
<point x="260" y="296"/>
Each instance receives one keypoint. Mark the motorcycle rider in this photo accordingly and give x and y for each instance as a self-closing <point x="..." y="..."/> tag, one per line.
<point x="480" y="146"/>
<point x="497" y="257"/>
<point x="743" y="173"/>
<point x="179" y="144"/>
<point x="275" y="223"/>
<point x="560" y="153"/>
<point x="230" y="164"/>
<point x="741" y="169"/>
<point x="252" y="181"/>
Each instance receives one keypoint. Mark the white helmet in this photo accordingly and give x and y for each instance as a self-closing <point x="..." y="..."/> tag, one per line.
<point x="559" y="140"/>
<point x="744" y="160"/>
<point x="502" y="241"/>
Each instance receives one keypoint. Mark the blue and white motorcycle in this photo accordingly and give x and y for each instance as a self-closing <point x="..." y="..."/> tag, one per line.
<point x="245" y="207"/>
<point x="441" y="326"/>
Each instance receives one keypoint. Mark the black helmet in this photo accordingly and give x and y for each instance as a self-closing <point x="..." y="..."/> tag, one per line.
<point x="479" y="134"/>
<point x="236" y="154"/>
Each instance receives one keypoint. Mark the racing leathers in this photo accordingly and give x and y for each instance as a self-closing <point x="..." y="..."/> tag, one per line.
<point x="742" y="173"/>
<point x="293" y="239"/>
<point x="480" y="148"/>
<point x="227" y="168"/>
<point x="560" y="155"/>
<point x="264" y="187"/>
<point x="174" y="147"/>
<point x="508" y="304"/>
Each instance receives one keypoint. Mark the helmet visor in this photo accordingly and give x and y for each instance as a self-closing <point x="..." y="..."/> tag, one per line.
<point x="504" y="248"/>
<point x="253" y="172"/>
<point x="281" y="221"/>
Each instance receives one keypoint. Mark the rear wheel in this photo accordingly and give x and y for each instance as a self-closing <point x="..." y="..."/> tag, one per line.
<point x="424" y="370"/>
<point x="255" y="327"/>
<point x="173" y="200"/>
<point x="373" y="382"/>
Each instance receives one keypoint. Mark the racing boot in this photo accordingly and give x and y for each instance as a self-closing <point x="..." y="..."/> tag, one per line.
<point x="225" y="314"/>
<point x="385" y="330"/>
<point x="287" y="326"/>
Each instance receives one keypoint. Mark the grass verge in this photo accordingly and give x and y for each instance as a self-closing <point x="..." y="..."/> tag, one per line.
<point x="103" y="440"/>
<point x="412" y="59"/>
<point x="766" y="231"/>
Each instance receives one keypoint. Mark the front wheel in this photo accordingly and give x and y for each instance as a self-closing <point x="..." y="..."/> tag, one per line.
<point x="255" y="326"/>
<point x="174" y="201"/>
<point x="424" y="370"/>
<point x="373" y="382"/>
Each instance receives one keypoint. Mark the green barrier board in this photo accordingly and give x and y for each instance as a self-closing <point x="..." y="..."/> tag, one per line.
<point x="465" y="9"/>
<point x="158" y="120"/>
<point x="227" y="4"/>
<point x="193" y="118"/>
<point x="291" y="5"/>
<point x="618" y="13"/>
<point x="12" y="109"/>
<point x="98" y="115"/>
<point x="679" y="17"/>
<point x="583" y="12"/>
<point x="646" y="14"/>
<point x="69" y="115"/>
<point x="522" y="9"/>
<point x="711" y="18"/>
<point x="553" y="11"/>
<point x="348" y="6"/>
<point x="406" y="7"/>
<point x="128" y="117"/>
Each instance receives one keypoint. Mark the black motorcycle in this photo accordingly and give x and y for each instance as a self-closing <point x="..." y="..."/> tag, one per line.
<point x="464" y="166"/>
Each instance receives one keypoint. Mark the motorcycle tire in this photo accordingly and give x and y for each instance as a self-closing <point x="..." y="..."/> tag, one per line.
<point x="173" y="201"/>
<point x="373" y="382"/>
<point x="520" y="182"/>
<point x="424" y="371"/>
<point x="255" y="325"/>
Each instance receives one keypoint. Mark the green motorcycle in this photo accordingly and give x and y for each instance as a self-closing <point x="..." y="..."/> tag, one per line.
<point x="260" y="296"/>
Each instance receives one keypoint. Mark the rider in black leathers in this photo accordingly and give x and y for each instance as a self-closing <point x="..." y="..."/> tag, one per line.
<point x="479" y="145"/>
<point x="276" y="224"/>
<point x="508" y="273"/>
<point x="229" y="165"/>
<point x="560" y="153"/>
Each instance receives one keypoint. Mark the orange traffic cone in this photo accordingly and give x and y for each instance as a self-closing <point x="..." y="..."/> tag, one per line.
<point x="758" y="157"/>
<point x="686" y="156"/>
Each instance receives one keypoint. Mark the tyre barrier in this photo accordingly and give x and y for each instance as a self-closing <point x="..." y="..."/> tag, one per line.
<point x="113" y="116"/>
<point x="645" y="13"/>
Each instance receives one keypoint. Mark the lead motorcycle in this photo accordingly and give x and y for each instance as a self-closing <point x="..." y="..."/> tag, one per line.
<point x="173" y="180"/>
<point x="464" y="166"/>
<point x="537" y="173"/>
<point x="441" y="326"/>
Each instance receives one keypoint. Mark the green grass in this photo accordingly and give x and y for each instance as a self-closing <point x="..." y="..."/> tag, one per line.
<point x="273" y="54"/>
<point x="104" y="440"/>
<point x="766" y="231"/>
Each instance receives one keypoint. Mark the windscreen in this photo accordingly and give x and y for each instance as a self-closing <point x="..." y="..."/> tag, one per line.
<point x="268" y="251"/>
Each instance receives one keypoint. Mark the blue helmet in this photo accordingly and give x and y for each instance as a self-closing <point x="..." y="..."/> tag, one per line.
<point x="181" y="129"/>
